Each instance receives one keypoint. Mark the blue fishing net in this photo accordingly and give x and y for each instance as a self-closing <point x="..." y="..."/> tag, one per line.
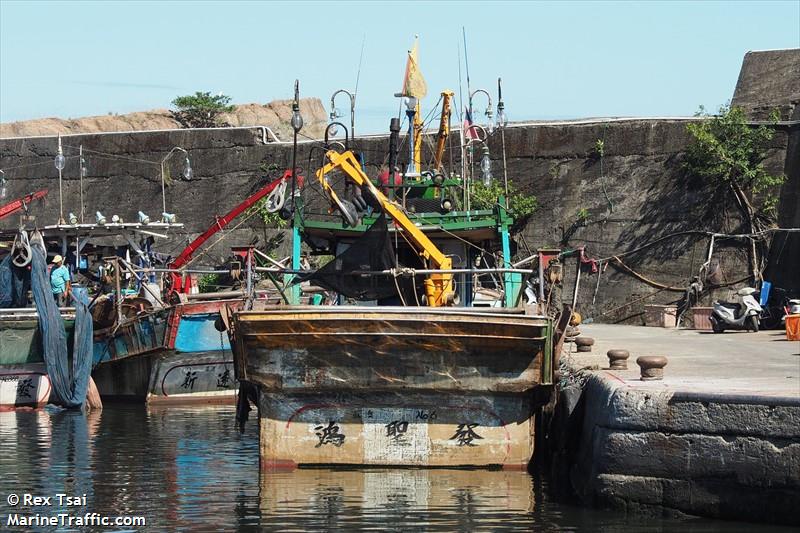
<point x="6" y="283"/>
<point x="69" y="385"/>
<point x="14" y="284"/>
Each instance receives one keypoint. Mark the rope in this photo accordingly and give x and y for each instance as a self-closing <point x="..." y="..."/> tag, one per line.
<point x="646" y="280"/>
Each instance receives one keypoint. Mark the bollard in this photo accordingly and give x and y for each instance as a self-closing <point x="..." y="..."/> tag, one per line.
<point x="584" y="344"/>
<point x="618" y="359"/>
<point x="652" y="367"/>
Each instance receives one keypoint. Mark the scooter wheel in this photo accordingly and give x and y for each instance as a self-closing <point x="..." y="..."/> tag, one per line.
<point x="752" y="323"/>
<point x="716" y="327"/>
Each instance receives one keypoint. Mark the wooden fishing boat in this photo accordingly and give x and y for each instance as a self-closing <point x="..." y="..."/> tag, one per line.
<point x="450" y="378"/>
<point x="23" y="376"/>
<point x="171" y="355"/>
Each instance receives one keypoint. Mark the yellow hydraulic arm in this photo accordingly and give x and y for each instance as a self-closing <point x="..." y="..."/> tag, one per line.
<point x="444" y="130"/>
<point x="438" y="287"/>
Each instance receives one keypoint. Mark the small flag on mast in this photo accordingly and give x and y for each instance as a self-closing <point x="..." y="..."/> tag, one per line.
<point x="470" y="131"/>
<point x="413" y="82"/>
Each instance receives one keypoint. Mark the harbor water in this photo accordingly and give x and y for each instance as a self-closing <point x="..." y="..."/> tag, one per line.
<point x="189" y="469"/>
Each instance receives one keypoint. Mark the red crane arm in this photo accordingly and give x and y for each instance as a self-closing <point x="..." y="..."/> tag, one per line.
<point x="19" y="203"/>
<point x="221" y="222"/>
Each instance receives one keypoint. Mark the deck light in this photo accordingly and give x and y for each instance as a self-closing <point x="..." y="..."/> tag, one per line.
<point x="115" y="219"/>
<point x="187" y="169"/>
<point x="486" y="166"/>
<point x="99" y="218"/>
<point x="60" y="162"/>
<point x="168" y="218"/>
<point x="488" y="113"/>
<point x="73" y="220"/>
<point x="502" y="118"/>
<point x="336" y="113"/>
<point x="143" y="219"/>
<point x="3" y="182"/>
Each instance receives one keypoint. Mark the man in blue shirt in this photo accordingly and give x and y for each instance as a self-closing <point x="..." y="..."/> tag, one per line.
<point x="60" y="281"/>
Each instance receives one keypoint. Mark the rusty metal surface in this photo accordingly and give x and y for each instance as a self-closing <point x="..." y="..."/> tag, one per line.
<point x="385" y="349"/>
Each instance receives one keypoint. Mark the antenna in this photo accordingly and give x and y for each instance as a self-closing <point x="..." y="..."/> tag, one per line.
<point x="360" y="59"/>
<point x="466" y="58"/>
<point x="460" y="83"/>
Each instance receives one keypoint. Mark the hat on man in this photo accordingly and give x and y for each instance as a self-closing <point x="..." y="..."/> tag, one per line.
<point x="57" y="259"/>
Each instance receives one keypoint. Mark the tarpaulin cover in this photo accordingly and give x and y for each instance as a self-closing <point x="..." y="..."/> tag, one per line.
<point x="370" y="253"/>
<point x="69" y="385"/>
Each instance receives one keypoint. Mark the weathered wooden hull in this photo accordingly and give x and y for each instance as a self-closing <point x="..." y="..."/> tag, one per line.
<point x="23" y="386"/>
<point x="394" y="386"/>
<point x="23" y="376"/>
<point x="177" y="356"/>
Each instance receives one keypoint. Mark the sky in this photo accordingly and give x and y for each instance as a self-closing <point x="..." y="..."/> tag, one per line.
<point x="558" y="60"/>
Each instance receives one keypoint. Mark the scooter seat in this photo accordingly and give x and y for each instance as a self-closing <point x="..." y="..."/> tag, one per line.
<point x="729" y="305"/>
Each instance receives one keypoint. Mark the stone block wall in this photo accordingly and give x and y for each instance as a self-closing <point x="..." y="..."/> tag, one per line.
<point x="650" y="450"/>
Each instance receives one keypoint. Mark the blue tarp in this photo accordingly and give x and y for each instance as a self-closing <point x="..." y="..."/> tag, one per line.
<point x="69" y="385"/>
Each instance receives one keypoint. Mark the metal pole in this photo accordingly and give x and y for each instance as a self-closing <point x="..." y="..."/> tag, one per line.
<point x="163" y="189"/>
<point x="577" y="282"/>
<point x="352" y="116"/>
<point x="80" y="172"/>
<point x="119" y="290"/>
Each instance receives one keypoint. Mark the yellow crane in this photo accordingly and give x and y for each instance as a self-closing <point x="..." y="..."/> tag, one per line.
<point x="444" y="130"/>
<point x="438" y="286"/>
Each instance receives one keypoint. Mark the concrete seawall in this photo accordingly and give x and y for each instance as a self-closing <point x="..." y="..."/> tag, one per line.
<point x="718" y="437"/>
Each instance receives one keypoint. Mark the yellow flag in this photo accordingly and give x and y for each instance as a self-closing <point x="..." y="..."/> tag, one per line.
<point x="414" y="84"/>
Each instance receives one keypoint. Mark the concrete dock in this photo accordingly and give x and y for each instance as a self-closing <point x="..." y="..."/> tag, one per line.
<point x="719" y="436"/>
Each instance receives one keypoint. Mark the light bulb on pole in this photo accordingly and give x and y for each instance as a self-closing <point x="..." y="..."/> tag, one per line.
<point x="488" y="113"/>
<point x="336" y="113"/>
<point x="60" y="162"/>
<point x="187" y="169"/>
<point x="3" y="183"/>
<point x="502" y="118"/>
<point x="486" y="166"/>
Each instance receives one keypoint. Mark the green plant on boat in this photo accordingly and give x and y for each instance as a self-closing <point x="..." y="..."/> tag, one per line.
<point x="520" y="204"/>
<point x="208" y="282"/>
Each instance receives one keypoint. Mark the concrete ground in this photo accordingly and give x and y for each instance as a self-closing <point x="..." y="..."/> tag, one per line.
<point x="734" y="363"/>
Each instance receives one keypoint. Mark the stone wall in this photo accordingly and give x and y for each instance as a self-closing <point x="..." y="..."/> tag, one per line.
<point x="641" y="194"/>
<point x="728" y="457"/>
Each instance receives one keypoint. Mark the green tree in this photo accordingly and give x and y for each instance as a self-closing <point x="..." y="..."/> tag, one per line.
<point x="728" y="154"/>
<point x="201" y="110"/>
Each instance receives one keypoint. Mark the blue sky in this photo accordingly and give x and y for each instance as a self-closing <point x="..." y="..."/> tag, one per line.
<point x="557" y="60"/>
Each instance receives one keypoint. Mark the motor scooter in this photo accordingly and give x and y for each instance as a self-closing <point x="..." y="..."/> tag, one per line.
<point x="742" y="314"/>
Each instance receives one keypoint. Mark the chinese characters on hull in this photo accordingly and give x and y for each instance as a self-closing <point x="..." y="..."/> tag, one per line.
<point x="465" y="434"/>
<point x="329" y="434"/>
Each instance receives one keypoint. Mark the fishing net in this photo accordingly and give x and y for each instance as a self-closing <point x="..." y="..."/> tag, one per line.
<point x="370" y="253"/>
<point x="14" y="285"/>
<point x="69" y="385"/>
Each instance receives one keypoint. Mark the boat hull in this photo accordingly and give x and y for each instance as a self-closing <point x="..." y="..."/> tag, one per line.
<point x="394" y="386"/>
<point x="175" y="357"/>
<point x="23" y="386"/>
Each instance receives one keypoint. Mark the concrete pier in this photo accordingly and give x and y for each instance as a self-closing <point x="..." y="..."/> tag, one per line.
<point x="719" y="436"/>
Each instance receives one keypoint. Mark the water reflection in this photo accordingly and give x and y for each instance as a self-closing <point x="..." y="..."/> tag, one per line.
<point x="188" y="469"/>
<point x="403" y="499"/>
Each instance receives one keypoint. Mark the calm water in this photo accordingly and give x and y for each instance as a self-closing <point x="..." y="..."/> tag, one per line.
<point x="188" y="469"/>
